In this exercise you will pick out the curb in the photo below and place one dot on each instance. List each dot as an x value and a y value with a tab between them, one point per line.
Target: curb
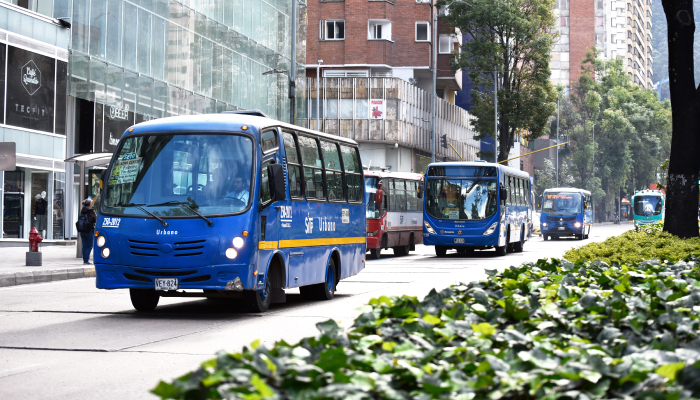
47	275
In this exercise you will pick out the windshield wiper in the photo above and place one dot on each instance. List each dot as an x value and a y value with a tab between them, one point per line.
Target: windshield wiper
184	204
473	184
162	221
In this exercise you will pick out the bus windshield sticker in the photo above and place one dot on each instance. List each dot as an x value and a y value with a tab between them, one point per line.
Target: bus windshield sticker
346	215
548	204
452	213
126	169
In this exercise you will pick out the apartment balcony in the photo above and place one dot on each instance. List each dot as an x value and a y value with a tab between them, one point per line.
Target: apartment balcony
389	111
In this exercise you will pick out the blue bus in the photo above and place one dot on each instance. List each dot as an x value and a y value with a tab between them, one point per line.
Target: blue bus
229	205
566	212
476	205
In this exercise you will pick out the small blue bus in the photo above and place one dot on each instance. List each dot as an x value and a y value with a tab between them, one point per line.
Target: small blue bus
476	205
229	205
566	212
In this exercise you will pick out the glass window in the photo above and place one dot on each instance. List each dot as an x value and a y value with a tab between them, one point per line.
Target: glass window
353	172
334	175
293	167
561	203
411	196
459	199
422	31
335	29
207	173
346	108
269	141
445	46
313	172
265	183
361	109
59	188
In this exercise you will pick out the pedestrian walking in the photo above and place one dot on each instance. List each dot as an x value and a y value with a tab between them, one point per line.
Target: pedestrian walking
86	227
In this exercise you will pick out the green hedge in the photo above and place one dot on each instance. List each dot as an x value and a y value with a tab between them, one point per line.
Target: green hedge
546	330
644	243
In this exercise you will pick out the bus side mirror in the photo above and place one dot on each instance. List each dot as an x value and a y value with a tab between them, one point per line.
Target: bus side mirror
504	194
275	172
378	197
420	190
103	178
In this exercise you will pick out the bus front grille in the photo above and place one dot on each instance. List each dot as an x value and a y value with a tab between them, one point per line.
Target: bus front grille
165	273
564	219
189	248
137	278
197	279
143	248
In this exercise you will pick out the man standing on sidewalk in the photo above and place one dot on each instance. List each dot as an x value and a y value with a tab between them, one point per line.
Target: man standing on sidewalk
86	227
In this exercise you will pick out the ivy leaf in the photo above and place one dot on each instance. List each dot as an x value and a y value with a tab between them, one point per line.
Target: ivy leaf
484	328
669	371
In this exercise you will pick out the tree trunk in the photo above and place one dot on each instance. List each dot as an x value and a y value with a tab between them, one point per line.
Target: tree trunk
684	164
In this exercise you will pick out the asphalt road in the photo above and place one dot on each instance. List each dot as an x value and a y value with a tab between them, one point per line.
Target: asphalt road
68	340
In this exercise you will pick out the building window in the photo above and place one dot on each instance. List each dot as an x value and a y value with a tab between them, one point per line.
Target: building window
599	4
340	73
629	21
445	46
379	29
335	29
564	21
422	31
563	4
629	34
440	93
599	21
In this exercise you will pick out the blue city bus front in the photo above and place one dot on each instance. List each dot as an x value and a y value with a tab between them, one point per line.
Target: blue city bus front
566	212
465	207
648	207
188	205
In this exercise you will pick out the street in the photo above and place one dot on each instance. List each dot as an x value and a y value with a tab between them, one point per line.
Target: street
69	340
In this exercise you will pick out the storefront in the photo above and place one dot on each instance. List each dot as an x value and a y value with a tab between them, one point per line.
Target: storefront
33	115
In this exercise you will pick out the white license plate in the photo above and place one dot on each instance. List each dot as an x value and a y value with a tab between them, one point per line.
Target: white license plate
561	228
459	240
166	283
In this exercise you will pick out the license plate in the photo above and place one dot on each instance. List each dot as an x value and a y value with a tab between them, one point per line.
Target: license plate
561	228
166	283
459	240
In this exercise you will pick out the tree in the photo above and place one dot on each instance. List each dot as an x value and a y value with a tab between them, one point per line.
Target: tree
684	163
514	37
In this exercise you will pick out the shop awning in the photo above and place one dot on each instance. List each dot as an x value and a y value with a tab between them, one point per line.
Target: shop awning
91	159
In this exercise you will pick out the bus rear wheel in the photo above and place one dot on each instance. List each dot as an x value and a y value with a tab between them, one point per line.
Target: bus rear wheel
324	290
144	299
440	251
258	301
518	246
402	250
375	254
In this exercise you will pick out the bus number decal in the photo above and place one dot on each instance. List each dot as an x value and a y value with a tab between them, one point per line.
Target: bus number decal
346	215
286	216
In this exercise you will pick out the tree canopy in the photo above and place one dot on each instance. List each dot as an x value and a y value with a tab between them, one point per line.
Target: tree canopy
513	37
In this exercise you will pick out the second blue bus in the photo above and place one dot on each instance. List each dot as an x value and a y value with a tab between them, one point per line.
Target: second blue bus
566	212
476	205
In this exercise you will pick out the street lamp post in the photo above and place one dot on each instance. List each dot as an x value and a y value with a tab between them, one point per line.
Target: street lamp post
495	114
557	169
435	44
318	91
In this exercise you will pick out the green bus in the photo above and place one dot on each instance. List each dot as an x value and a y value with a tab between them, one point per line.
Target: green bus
648	207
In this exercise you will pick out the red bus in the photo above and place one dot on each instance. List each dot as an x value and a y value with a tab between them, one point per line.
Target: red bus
394	212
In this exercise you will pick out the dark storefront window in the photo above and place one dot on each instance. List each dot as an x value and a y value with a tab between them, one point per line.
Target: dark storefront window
31	83
13	205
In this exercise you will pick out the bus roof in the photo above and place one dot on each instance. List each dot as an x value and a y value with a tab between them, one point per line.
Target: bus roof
648	192
223	122
504	168
398	175
568	189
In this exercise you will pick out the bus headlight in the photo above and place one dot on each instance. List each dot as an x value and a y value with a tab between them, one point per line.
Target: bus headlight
428	227
231	253
544	224
371	234
105	252
577	224
491	229
238	242
101	241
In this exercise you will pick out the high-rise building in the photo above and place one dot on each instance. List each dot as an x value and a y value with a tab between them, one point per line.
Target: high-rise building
617	29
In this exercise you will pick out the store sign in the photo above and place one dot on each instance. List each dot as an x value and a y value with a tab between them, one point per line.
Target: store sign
116	121
31	89
8	156
376	109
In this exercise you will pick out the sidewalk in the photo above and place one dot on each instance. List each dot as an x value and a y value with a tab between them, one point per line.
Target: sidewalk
59	263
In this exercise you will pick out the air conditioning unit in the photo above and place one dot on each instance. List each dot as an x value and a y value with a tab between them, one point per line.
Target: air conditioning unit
413	81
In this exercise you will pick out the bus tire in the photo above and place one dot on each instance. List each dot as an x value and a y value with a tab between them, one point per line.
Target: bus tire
324	290
501	251
258	301
144	300
375	254
401	250
440	251
411	244
545	237
509	245
518	246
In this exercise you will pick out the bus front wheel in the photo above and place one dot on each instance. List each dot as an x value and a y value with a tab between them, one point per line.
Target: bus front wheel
258	301
440	251
518	246
375	254
144	299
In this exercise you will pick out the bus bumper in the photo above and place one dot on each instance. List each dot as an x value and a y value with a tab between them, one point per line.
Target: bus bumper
373	242
469	241
110	276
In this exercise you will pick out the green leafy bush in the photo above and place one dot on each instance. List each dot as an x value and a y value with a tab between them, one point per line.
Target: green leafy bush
547	330
635	246
649	228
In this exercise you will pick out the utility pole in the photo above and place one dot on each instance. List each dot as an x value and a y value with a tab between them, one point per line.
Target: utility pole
318	95
593	173
435	45
495	113
293	67
557	169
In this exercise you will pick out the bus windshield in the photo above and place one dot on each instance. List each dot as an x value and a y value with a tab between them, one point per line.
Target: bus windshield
470	199
647	205
180	175
371	186
561	203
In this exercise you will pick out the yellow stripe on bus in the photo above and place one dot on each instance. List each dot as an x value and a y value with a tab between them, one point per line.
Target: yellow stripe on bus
311	242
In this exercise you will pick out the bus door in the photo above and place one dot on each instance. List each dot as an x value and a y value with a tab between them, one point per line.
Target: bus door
269	215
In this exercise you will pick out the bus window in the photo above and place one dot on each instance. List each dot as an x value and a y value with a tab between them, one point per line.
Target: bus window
411	196
511	191
313	169
334	175
293	167
268	141
265	183
400	195
353	173
521	192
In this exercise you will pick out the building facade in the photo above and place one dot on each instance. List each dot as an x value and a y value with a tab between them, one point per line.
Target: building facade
617	29
125	62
